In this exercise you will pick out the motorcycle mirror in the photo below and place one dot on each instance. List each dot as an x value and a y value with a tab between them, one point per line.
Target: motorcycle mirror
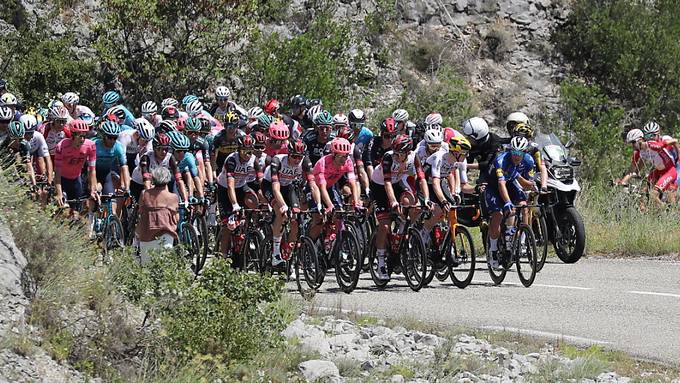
569	144
574	161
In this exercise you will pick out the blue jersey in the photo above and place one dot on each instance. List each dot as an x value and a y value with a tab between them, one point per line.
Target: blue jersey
108	158
364	137
188	164
503	169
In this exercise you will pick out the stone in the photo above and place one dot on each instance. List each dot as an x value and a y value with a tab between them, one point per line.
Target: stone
318	343
368	365
343	340
397	379
460	5
315	370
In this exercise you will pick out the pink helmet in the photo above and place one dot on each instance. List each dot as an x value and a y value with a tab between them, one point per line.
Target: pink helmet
449	133
278	130
340	146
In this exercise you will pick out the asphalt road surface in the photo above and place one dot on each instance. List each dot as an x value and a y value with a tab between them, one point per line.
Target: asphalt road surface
628	305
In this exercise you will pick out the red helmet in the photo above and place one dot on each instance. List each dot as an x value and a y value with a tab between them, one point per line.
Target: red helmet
340	146
181	123
78	126
271	106
346	132
297	147
401	143
260	139
161	139
245	141
278	130
388	126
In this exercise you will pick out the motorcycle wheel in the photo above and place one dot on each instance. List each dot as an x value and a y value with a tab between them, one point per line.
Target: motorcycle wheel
570	247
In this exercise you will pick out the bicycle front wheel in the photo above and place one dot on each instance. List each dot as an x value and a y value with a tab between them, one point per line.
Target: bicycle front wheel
189	240
462	250
525	254
306	266
348	260
113	234
414	260
203	238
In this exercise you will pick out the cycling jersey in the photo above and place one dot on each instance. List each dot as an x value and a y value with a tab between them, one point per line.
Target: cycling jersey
364	137
241	171
225	146
503	169
441	163
315	149
423	154
374	151
657	154
149	162
280	170
188	165
52	136
69	160
201	149
219	113
38	145
108	158
327	174
391	170
485	152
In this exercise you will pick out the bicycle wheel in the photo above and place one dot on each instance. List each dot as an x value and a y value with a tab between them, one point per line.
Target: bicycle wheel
203	237
462	249
113	234
348	260
266	252
540	229
131	223
373	264
414	260
251	250
524	254
189	241
306	265
497	276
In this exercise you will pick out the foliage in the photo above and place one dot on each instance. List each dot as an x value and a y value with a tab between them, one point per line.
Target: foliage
630	49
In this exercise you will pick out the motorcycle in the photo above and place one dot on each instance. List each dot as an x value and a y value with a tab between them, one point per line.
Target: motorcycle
563	222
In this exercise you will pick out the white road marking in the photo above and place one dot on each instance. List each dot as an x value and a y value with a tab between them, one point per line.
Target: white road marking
546	334
653	293
537	285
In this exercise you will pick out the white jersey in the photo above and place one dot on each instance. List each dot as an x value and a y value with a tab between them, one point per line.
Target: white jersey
39	145
127	139
153	164
284	172
441	164
421	150
53	138
241	172
397	171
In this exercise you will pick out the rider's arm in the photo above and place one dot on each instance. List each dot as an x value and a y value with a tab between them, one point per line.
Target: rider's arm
309	175
361	171
387	179
422	181
207	164
503	190
276	186
146	173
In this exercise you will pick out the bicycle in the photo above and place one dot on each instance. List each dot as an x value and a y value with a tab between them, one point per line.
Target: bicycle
188	239
247	244
304	258
106	225
538	221
198	221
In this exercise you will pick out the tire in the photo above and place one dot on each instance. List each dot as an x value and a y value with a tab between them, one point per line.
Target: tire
266	251
573	242
114	236
525	254
464	250
414	260
203	238
190	241
306	266
373	264
251	250
497	276
540	229
348	262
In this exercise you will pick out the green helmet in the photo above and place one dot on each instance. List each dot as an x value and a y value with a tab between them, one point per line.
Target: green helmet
111	97
193	124
323	118
264	121
110	128
179	141
17	129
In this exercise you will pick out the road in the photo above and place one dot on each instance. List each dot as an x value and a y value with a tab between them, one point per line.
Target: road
628	305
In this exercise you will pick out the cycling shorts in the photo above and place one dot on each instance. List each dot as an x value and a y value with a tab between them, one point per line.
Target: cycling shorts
333	192
495	203
446	190
379	195
664	180
288	192
73	189
224	204
106	180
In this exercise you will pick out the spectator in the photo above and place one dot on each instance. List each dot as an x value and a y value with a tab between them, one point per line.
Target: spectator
158	215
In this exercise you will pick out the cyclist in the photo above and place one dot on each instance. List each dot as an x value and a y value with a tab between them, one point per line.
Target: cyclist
186	163
54	130
279	188
134	143
111	99
278	138
298	104
400	117
254	114
6	117
71	102
379	145
112	168
200	148
224	104
347	133
510	172
357	121
524	130
150	113
42	162
9	100
485	146
316	140
170	113
159	156
226	141
390	191
16	149
70	155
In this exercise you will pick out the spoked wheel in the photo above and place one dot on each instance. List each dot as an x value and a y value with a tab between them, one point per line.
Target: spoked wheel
462	252
540	229
130	220
252	247
306	266
525	254
348	261
373	264
266	251
203	239
442	274
497	276
572	244
190	242
113	235
414	260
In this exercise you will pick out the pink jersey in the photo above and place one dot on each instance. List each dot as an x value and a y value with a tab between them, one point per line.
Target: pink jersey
69	160
658	154
327	174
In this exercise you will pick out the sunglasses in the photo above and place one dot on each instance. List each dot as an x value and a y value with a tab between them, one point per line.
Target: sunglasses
259	148
76	135
295	156
517	153
357	125
222	99
433	146
60	120
245	151
277	141
148	115
387	135
110	137
342	156
180	151
162	148
325	127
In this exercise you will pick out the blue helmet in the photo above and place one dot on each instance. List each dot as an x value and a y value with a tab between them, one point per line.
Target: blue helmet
188	99
111	97
179	141
110	128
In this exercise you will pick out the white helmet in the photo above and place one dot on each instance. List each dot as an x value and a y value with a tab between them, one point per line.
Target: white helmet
519	143
434	119
70	98
651	128
476	128
400	115
8	99
194	108
313	111
517	117
434	136
222	91
6	113
86	114
145	129
149	107
634	135
29	121
169	101
255	112
340	119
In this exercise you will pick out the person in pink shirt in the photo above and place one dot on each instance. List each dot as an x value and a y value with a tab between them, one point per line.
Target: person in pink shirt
69	157
327	171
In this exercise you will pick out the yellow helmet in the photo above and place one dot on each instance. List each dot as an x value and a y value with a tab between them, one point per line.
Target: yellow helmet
523	130
231	119
459	144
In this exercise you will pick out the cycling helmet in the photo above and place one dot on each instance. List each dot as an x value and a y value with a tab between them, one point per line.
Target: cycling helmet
17	129
245	141
459	144
313	111
476	128
340	119
222	92
111	97
167	126
255	112
110	128
264	121
345	132
388	126
278	130
193	124
634	135
170	113
651	128
8	99
340	146
297	147
181	123
179	141
78	126
522	129
357	116
518	143
206	126
434	120
271	106
30	122
169	102
323	118
189	99
149	107
42	113
433	136
400	115
401	143
145	129
70	98
231	120
86	114
194	108
59	113
161	139
117	111
298	101
514	119
6	114
260	140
